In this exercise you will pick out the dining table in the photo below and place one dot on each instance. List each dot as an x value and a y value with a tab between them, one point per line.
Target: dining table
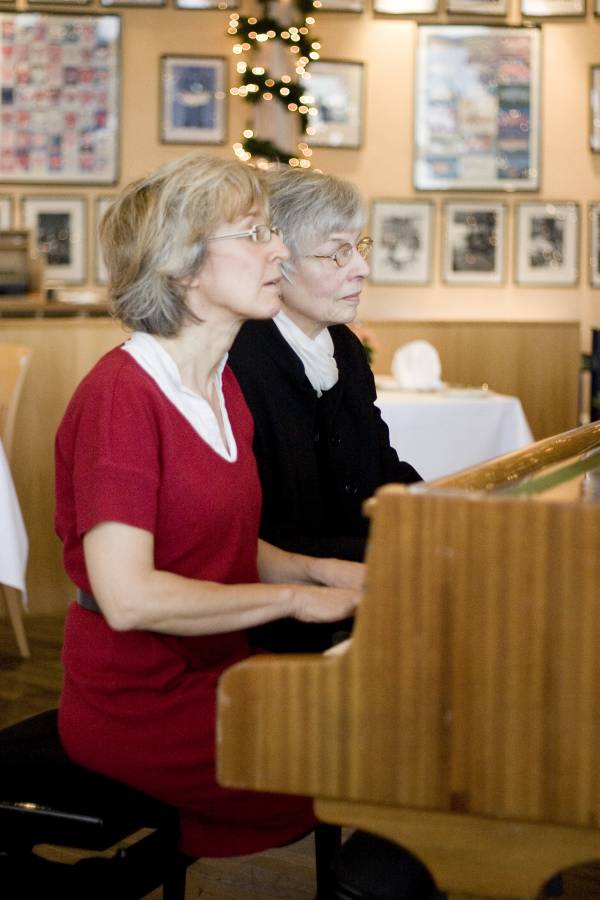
14	545
443	431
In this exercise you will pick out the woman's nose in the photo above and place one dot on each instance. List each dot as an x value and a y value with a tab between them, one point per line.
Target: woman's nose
277	248
360	266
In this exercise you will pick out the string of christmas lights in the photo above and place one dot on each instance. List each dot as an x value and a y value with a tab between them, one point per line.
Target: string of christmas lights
258	85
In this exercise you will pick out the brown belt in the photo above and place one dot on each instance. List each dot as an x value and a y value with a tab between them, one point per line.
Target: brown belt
87	601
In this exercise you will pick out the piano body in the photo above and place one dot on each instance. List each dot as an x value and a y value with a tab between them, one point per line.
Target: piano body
463	719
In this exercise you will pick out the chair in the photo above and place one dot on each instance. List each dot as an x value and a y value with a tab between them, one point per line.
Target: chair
47	799
14	362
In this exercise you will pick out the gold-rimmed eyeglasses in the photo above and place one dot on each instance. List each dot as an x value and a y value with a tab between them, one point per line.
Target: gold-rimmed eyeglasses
343	254
260	234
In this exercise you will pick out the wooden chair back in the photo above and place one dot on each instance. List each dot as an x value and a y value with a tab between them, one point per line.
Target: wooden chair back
14	362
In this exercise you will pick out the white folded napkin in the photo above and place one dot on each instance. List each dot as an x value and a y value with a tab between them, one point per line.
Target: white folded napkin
416	367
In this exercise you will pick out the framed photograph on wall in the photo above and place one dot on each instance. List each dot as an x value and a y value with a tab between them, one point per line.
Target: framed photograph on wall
335	89
547	243
402	233
207	4
193	99
59	2
477	7
477	127
60	98
132	2
405	7
102	204
595	244
473	242
595	109
59	228
355	6
545	8
6	212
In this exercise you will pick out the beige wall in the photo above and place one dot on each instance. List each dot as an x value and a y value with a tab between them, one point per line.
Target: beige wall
382	169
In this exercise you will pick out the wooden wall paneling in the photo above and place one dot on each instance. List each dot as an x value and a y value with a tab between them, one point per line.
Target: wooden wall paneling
536	361
63	351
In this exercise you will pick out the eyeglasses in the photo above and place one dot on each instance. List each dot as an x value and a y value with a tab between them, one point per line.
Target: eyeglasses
260	234
343	254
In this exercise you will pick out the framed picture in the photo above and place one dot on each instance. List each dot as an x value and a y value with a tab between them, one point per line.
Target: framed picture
335	89
207	4
477	7
58	2
6	212
60	98
102	204
132	3
473	242
595	109
547	243
544	8
405	7
595	244
355	6
59	227
477	126
193	99
402	233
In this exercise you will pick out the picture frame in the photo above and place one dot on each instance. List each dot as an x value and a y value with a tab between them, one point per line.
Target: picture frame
474	242
61	100
402	232
595	109
101	205
140	3
336	90
193	99
542	9
547	243
59	230
58	2
477	7
207	4
351	6
477	128
405	7
6	212
594	224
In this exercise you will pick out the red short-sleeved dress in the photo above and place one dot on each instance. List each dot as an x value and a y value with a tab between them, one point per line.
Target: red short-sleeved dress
140	706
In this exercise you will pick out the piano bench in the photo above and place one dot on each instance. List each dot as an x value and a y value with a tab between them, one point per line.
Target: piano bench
47	799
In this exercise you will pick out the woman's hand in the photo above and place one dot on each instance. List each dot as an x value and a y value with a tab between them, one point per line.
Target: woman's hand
337	573
324	604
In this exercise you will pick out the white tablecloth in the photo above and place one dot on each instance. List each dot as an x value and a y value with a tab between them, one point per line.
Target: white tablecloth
441	433
13	537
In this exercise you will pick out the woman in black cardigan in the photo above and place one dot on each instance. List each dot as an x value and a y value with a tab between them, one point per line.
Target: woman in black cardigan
321	445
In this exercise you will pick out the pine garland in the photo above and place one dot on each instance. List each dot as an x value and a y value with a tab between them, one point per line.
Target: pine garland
257	84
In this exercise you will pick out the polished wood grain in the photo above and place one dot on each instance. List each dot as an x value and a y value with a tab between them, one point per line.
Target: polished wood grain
465	708
536	361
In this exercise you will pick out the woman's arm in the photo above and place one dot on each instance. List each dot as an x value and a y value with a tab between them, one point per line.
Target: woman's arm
133	594
276	565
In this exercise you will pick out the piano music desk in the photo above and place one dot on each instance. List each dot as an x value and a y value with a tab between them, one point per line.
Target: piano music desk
462	720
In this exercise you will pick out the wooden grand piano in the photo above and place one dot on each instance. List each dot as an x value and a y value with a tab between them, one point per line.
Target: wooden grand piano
463	719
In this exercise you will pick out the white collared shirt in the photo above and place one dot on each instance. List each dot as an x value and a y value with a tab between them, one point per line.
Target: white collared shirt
159	364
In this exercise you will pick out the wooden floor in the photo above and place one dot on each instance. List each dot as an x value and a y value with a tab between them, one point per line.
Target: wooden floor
30	686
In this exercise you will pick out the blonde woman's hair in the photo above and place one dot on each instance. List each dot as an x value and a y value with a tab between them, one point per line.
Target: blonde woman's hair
154	236
309	207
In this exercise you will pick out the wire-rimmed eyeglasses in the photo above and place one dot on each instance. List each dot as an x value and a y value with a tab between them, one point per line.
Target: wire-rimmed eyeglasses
260	234
343	254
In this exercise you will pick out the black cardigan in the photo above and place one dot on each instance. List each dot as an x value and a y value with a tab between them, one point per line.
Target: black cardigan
318	459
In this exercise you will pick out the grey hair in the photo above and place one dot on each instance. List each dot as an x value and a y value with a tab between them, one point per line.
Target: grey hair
154	236
309	207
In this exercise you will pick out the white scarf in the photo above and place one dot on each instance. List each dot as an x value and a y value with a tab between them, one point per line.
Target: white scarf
316	354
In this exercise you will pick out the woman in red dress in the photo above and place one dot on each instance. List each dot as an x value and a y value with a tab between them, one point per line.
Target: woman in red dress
158	506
